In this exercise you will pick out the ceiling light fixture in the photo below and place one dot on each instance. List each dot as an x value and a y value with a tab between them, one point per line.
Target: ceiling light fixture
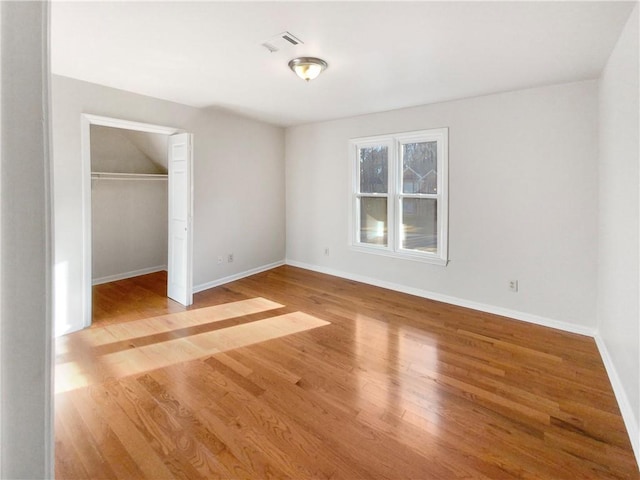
307	68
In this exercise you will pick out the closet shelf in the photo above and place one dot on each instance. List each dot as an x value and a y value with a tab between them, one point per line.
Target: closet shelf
128	176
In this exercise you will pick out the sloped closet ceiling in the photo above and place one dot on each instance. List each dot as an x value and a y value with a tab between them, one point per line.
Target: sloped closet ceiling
126	151
153	145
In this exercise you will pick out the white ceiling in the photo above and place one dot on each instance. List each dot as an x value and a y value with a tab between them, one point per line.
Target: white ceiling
381	55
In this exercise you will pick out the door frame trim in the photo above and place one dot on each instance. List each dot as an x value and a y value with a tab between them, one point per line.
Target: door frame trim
86	120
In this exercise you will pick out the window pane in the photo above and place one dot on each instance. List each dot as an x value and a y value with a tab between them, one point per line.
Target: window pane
374	163
419	224
420	167
373	221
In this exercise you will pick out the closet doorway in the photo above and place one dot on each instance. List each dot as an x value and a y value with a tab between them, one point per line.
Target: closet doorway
138	203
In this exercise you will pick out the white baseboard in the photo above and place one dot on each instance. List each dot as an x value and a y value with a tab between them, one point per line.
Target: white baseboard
236	276
122	276
630	420
505	312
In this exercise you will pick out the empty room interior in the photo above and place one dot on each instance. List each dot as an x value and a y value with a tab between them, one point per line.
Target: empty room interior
320	240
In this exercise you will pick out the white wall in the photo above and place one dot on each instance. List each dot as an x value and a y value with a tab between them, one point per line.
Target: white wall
25	365
523	202
238	189
129	228
618	236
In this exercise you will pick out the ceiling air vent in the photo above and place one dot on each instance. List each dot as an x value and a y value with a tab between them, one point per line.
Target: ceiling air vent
281	41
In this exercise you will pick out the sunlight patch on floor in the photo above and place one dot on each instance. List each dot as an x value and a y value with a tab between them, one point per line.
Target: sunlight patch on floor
89	370
93	337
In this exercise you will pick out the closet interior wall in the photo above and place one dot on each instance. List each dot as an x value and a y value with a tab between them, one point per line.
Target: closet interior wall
128	203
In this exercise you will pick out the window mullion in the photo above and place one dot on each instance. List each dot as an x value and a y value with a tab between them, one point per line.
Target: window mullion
394	228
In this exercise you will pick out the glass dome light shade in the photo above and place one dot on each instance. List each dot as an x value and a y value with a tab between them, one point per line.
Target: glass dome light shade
307	68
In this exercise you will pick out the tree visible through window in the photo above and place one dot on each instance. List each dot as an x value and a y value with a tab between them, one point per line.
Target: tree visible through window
399	195
374	186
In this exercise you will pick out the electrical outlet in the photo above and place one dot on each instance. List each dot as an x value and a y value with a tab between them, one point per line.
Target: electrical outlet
513	285
326	251
219	259
230	258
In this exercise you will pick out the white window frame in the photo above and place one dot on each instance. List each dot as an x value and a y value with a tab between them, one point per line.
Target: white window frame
394	195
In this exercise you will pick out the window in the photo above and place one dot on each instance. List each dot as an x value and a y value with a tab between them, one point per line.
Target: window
399	195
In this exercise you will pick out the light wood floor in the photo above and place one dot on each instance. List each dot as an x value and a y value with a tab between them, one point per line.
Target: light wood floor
294	374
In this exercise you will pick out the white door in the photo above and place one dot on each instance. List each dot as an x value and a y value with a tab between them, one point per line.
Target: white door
179	284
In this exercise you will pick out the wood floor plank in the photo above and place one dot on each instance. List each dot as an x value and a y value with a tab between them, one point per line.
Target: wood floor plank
136	444
109	444
284	434
190	382
68	462
179	448
81	441
294	374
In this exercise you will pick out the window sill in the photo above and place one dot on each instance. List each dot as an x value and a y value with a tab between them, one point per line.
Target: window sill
414	257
